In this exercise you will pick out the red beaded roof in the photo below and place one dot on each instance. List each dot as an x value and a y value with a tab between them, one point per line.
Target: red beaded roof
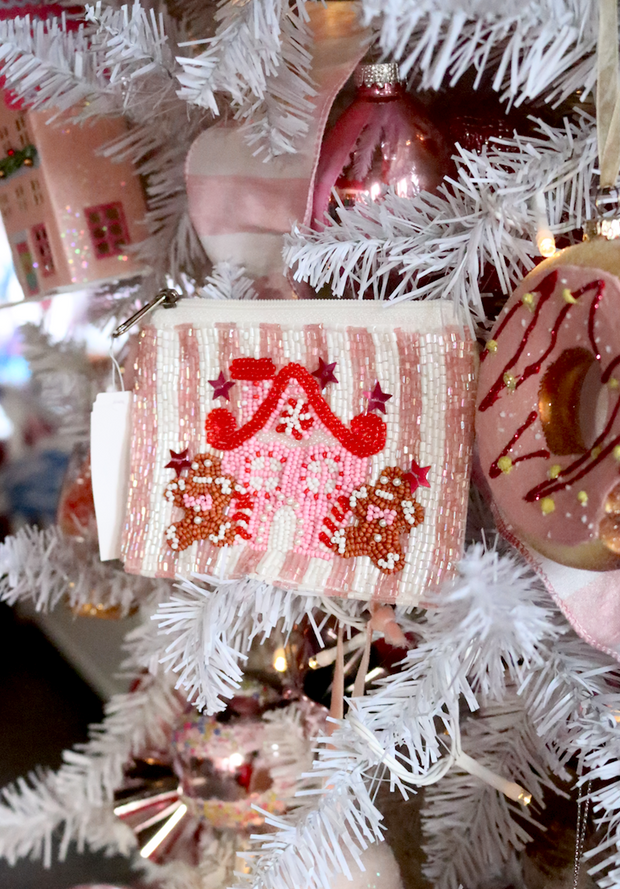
364	438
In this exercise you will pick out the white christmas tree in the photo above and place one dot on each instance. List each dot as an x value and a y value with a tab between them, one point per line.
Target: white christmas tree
499	692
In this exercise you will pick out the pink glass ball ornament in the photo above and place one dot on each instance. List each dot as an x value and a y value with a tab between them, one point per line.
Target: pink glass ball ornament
383	139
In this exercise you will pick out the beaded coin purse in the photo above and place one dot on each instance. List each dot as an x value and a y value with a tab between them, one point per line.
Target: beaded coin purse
320	446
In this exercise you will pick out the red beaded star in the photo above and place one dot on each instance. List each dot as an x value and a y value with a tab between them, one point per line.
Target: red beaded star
179	461
325	373
377	399
417	476
221	386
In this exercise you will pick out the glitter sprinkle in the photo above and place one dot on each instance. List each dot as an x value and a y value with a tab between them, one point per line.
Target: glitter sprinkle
492	346
555	470
547	505
568	297
510	381
582	497
505	464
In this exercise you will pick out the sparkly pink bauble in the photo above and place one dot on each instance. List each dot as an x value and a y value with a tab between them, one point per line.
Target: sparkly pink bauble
384	139
76	507
474	131
229	763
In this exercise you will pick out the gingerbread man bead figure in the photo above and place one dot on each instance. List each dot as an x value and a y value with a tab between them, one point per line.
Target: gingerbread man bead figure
205	495
381	514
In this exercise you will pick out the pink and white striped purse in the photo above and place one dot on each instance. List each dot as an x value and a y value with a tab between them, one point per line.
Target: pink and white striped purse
321	446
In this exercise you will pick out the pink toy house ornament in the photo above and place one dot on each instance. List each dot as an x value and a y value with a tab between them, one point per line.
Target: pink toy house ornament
69	213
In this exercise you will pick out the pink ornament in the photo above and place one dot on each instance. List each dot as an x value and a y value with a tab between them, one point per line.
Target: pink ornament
69	213
76	508
384	139
228	766
11	9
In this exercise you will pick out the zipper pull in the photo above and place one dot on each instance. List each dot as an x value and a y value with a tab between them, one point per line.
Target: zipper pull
166	298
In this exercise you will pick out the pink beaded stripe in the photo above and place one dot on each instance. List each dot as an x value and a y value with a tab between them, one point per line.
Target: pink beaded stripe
460	407
144	438
296	563
360	378
209	556
411	406
190	421
271	343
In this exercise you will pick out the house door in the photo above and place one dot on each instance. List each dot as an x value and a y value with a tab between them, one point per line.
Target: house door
282	531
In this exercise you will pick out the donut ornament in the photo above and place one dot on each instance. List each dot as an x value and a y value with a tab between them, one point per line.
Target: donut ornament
548	408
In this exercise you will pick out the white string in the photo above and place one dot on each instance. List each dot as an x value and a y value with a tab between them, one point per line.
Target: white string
116	369
454	756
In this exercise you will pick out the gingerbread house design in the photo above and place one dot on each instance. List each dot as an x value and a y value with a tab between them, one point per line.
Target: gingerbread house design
69	212
280	467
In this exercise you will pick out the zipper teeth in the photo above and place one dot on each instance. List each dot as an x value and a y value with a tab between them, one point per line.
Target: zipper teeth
185	300
286	303
291	311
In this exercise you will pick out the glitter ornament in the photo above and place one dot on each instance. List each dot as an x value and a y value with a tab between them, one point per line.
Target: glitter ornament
212	769
76	508
230	763
475	131
383	140
37	9
69	212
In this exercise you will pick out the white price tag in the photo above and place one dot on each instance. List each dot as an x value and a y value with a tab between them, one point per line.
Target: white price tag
110	431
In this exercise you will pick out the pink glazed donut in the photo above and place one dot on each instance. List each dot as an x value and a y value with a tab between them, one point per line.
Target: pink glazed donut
548	414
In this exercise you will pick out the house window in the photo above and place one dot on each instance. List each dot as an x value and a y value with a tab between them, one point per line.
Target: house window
37	193
23	136
5	139
27	266
108	229
43	251
5	206
22	198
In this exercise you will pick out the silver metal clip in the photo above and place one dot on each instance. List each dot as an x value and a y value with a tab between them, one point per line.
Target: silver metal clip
166	298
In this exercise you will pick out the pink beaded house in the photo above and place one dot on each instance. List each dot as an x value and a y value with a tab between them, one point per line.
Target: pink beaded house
69	213
291	456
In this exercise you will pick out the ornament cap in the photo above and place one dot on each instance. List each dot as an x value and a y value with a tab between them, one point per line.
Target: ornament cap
377	74
606	223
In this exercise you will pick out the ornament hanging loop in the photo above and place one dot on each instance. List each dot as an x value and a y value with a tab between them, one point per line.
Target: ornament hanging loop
608	94
606	223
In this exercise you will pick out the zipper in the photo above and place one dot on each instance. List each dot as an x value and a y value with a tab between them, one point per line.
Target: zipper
166	298
438	312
